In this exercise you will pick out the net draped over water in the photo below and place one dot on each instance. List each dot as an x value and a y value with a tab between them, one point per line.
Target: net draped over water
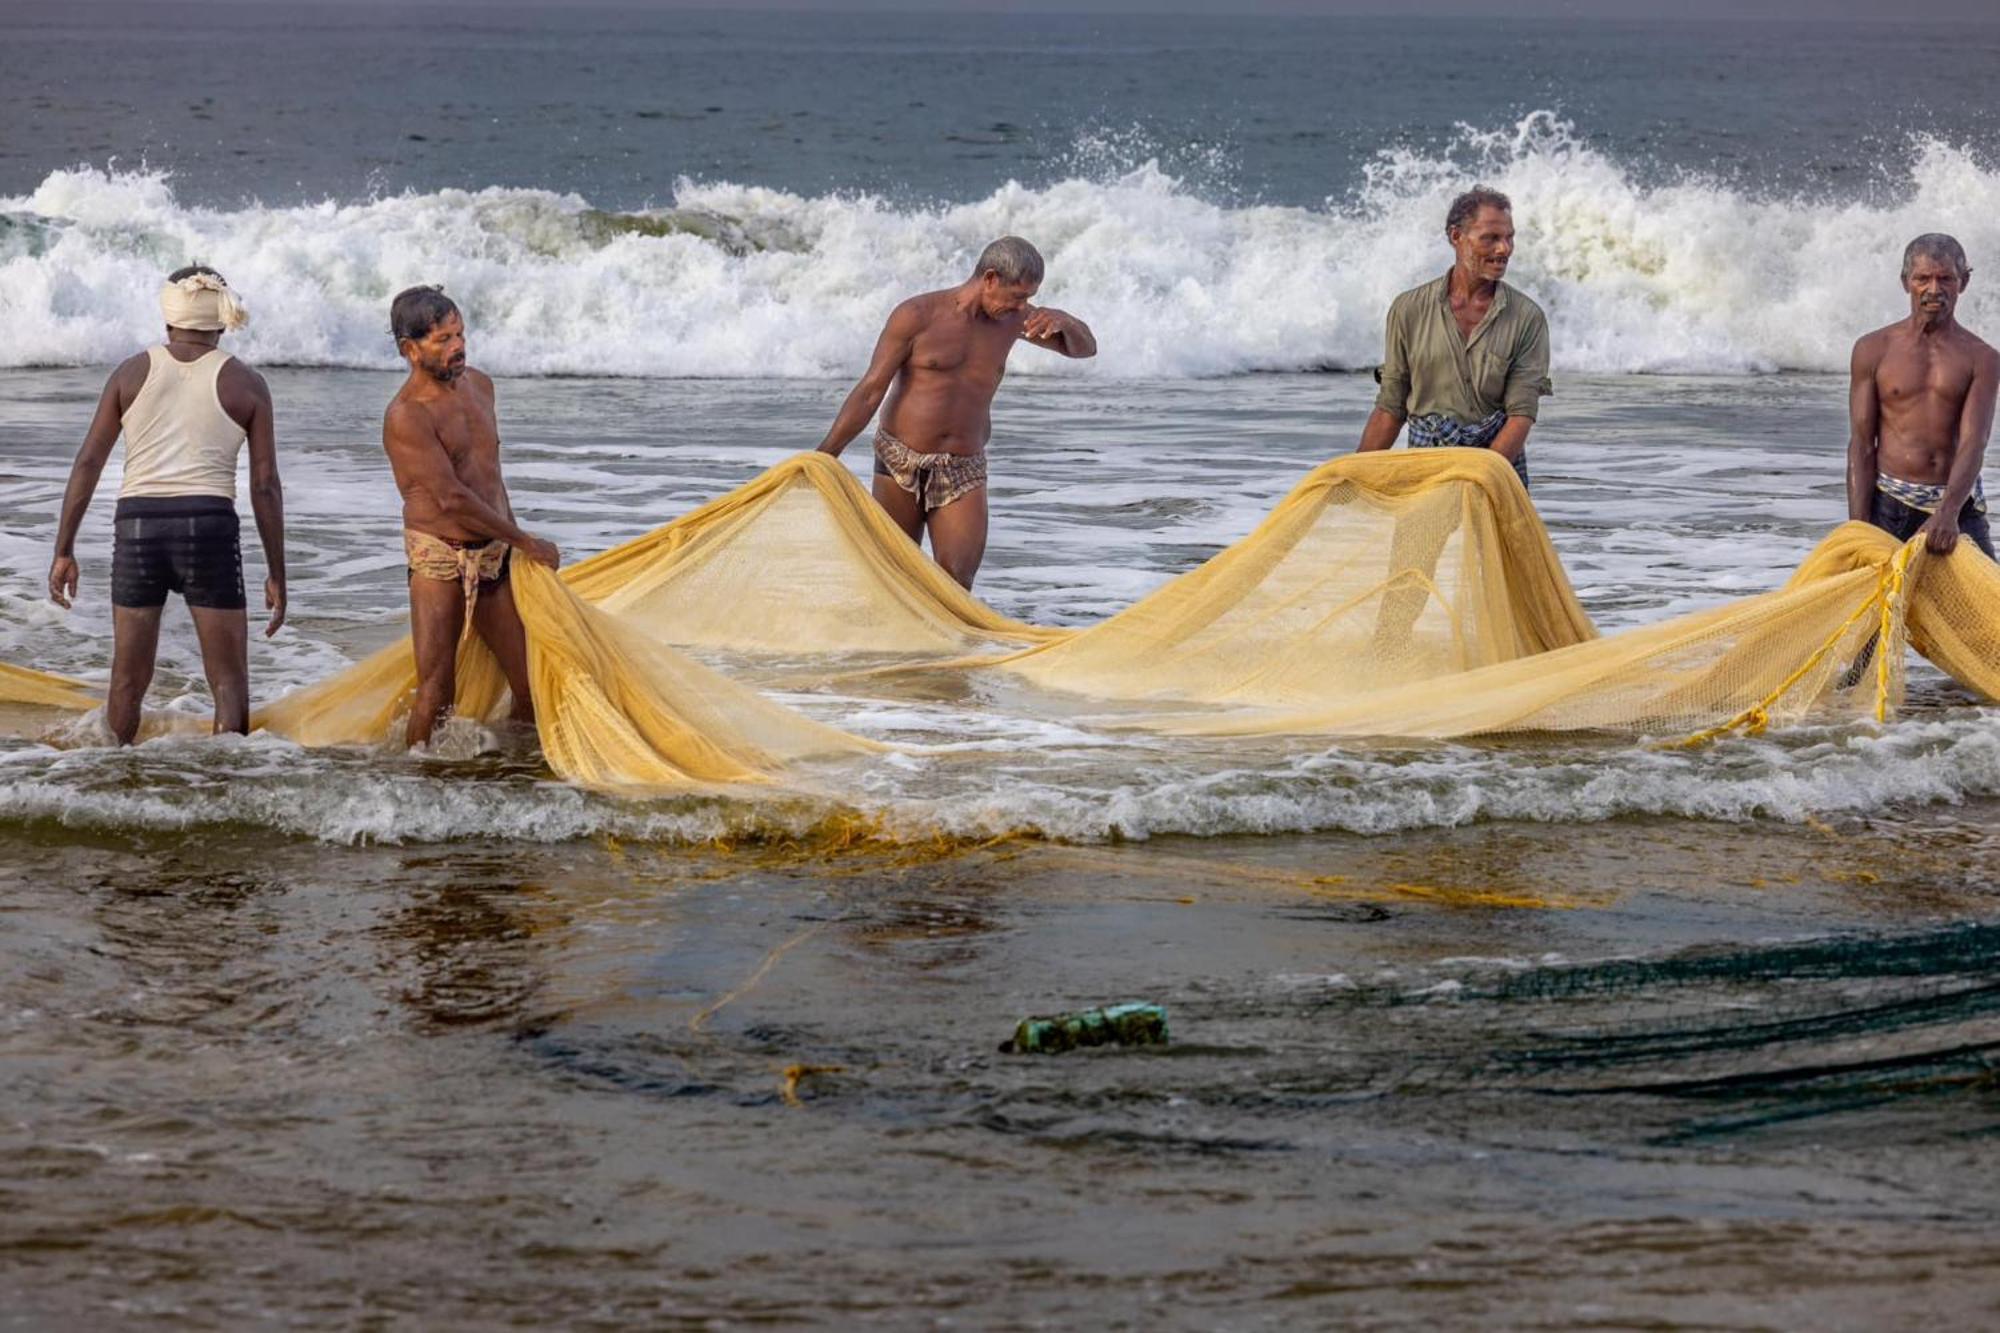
1408	594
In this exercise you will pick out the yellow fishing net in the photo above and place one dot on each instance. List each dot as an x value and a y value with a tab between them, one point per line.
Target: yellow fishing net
798	560
1404	594
614	707
1775	657
1376	570
37	689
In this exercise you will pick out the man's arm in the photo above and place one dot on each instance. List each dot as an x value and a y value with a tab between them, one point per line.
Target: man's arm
1513	438
1392	400
892	349
1975	424
1527	382
267	496
98	442
1864	420
1059	332
421	464
1380	432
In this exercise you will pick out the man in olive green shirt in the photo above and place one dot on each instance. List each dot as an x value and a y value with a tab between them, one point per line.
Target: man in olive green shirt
1466	358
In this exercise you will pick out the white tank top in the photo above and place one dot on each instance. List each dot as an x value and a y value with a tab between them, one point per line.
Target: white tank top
178	440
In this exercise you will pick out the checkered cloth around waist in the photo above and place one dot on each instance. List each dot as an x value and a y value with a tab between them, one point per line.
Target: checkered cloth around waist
1436	429
1924	496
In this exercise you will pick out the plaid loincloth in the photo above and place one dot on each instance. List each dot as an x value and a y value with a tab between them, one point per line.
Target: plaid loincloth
1437	429
936	479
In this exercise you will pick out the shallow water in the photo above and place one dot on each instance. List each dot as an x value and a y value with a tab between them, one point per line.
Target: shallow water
1572	1033
1642	1073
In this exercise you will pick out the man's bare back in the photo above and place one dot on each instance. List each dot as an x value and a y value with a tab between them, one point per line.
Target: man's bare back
1921	400
938	364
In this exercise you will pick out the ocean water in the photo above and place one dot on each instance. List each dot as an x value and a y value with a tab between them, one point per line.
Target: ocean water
1575	1033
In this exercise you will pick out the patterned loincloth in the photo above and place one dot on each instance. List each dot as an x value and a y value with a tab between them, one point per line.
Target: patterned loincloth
1438	431
472	567
936	479
1924	496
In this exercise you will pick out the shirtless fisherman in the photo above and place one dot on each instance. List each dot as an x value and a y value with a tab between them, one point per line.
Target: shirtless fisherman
1921	406
442	435
185	408
945	353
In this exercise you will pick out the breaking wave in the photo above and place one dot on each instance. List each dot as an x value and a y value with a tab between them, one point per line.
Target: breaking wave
742	281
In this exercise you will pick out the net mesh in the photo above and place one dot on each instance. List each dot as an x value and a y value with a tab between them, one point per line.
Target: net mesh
1404	594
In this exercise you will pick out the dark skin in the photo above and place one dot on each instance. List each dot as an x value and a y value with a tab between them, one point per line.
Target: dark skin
1920	402
135	631
1480	250
442	435
939	362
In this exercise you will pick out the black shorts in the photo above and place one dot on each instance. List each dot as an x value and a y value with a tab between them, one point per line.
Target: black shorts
1901	521
183	543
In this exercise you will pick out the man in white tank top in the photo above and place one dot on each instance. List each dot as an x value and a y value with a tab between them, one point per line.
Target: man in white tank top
185	409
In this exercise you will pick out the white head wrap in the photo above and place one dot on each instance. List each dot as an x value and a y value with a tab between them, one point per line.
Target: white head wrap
202	301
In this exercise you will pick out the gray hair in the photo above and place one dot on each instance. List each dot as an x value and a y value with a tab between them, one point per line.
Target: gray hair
1466	207
1936	245
1012	260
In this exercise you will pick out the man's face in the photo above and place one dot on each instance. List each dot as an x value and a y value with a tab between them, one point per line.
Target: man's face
1934	286
441	352
1485	244
1000	299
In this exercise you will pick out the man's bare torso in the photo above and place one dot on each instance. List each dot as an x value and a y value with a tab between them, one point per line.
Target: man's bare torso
1921	386
943	396
466	426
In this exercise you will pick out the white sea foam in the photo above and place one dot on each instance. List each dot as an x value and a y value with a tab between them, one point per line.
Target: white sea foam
740	280
179	785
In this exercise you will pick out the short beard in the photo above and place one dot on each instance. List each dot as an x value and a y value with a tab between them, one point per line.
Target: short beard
446	373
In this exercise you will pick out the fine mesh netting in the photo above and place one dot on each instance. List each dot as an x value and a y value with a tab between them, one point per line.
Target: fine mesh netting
22	687
1402	594
1376	570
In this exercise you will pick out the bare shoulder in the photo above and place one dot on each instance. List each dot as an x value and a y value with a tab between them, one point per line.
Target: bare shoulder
1869	347
130	374
914	313
238	374
405	419
1985	359
480	381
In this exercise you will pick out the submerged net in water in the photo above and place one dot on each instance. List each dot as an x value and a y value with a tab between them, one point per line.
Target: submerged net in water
1402	594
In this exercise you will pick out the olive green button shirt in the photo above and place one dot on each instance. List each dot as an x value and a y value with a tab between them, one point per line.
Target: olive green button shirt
1427	367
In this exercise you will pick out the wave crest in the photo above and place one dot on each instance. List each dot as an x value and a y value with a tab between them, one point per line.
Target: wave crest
739	280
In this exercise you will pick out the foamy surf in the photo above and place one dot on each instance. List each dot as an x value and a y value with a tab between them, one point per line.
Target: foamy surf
1006	780
738	280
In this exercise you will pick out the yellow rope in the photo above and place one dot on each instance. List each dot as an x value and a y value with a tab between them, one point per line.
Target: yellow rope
1886	603
700	1020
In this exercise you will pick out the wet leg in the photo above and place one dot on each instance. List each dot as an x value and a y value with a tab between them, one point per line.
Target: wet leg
437	618
498	621
135	642
901	506
225	660
958	536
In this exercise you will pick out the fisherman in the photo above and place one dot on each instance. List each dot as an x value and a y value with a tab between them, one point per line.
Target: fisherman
442	435
185	408
945	353
1920	404
1466	357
